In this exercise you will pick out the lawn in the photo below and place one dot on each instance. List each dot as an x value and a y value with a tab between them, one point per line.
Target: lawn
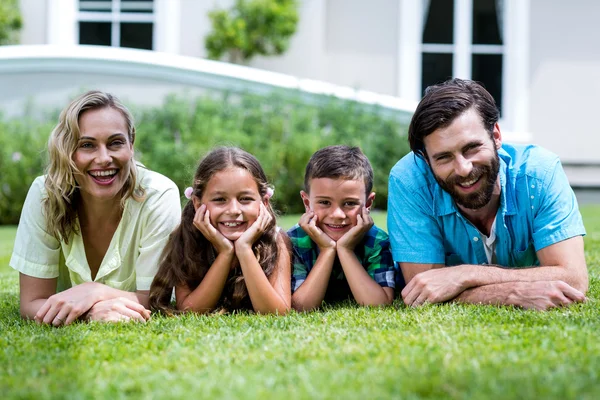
343	352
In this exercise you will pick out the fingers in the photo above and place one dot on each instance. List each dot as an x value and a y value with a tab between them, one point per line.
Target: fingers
137	307
572	293
39	316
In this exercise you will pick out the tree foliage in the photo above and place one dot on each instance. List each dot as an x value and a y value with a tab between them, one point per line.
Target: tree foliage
251	28
10	21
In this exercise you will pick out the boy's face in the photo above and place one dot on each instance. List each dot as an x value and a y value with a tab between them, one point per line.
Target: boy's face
336	203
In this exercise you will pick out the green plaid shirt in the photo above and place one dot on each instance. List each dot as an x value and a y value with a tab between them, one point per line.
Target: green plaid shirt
373	252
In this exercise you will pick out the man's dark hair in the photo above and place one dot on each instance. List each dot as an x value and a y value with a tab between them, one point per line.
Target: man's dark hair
443	103
339	162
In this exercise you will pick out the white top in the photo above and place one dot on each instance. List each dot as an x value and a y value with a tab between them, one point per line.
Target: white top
489	244
131	260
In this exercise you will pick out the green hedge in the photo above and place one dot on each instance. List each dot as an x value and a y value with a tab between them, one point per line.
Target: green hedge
281	132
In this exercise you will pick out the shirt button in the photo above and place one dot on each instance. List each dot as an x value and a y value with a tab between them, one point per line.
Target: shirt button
475	239
532	207
532	197
533	186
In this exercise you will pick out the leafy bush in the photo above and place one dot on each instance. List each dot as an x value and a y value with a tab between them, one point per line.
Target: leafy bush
250	28
282	132
10	21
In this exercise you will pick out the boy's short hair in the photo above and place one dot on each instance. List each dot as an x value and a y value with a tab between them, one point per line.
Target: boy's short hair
339	162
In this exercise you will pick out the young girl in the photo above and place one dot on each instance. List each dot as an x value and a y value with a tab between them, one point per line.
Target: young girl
227	252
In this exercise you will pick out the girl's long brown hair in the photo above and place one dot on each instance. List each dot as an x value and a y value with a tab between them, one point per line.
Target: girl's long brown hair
188	254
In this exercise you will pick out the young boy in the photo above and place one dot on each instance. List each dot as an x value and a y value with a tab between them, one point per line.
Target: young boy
338	251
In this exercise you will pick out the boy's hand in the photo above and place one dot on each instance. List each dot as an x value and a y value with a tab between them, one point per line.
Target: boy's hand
202	223
364	222
308	222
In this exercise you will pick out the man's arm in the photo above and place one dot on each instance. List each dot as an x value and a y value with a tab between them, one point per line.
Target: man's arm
563	261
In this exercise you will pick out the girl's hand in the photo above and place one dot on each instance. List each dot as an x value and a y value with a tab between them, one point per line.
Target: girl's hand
364	222
118	309
256	230
308	222
202	223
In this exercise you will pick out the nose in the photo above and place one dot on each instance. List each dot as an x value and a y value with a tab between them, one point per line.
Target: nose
103	156
462	166
338	213
234	208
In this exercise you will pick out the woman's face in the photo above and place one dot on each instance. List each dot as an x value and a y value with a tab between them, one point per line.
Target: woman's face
103	155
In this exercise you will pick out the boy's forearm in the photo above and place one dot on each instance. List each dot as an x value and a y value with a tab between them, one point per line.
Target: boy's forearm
311	293
365	290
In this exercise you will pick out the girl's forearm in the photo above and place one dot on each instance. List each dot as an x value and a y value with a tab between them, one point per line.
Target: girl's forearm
205	297
265	299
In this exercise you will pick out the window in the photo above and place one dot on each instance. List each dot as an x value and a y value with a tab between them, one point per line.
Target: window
463	39
117	23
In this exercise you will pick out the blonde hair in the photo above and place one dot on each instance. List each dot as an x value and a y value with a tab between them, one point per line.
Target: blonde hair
60	205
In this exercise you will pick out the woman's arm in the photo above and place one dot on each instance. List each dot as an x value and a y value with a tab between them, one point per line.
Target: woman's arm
40	302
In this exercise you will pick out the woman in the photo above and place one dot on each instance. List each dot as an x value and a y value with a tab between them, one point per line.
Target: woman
93	228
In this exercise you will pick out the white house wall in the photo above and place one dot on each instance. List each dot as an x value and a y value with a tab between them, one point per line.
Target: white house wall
565	78
34	14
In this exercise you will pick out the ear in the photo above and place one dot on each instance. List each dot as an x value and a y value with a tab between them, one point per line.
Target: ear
370	200
497	136
196	202
305	200
265	200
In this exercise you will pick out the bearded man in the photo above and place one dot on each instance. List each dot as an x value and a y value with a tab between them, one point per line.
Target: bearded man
502	218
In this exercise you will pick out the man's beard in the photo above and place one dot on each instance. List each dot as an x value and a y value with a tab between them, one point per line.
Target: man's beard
488	173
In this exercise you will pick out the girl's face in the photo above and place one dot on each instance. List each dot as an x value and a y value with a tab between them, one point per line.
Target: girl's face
231	197
103	154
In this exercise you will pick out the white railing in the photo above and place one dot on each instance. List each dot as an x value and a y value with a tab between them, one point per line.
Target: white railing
188	71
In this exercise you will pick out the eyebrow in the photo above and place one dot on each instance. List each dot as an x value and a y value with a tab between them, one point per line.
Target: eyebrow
109	138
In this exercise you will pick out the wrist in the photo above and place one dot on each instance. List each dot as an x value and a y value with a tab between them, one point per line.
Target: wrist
467	276
242	247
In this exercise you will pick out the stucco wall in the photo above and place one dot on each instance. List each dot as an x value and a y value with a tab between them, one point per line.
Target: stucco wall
565	78
34	21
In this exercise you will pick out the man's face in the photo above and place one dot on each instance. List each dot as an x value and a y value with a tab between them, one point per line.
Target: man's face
336	203
464	159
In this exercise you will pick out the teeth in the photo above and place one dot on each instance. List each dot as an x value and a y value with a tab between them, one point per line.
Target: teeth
108	172
469	183
336	226
232	224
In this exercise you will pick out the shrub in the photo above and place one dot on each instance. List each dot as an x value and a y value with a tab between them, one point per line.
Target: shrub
250	28
282	132
10	21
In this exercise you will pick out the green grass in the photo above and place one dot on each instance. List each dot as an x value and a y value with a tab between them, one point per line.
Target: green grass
438	351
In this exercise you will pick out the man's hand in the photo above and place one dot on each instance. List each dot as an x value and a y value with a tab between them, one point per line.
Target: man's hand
543	295
118	309
202	223
350	239
435	286
308	222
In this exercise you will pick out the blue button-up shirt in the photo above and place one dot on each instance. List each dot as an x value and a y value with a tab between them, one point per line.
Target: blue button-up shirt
537	209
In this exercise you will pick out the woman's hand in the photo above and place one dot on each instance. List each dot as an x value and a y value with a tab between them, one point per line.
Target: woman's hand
254	231
202	223
118	309
65	307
